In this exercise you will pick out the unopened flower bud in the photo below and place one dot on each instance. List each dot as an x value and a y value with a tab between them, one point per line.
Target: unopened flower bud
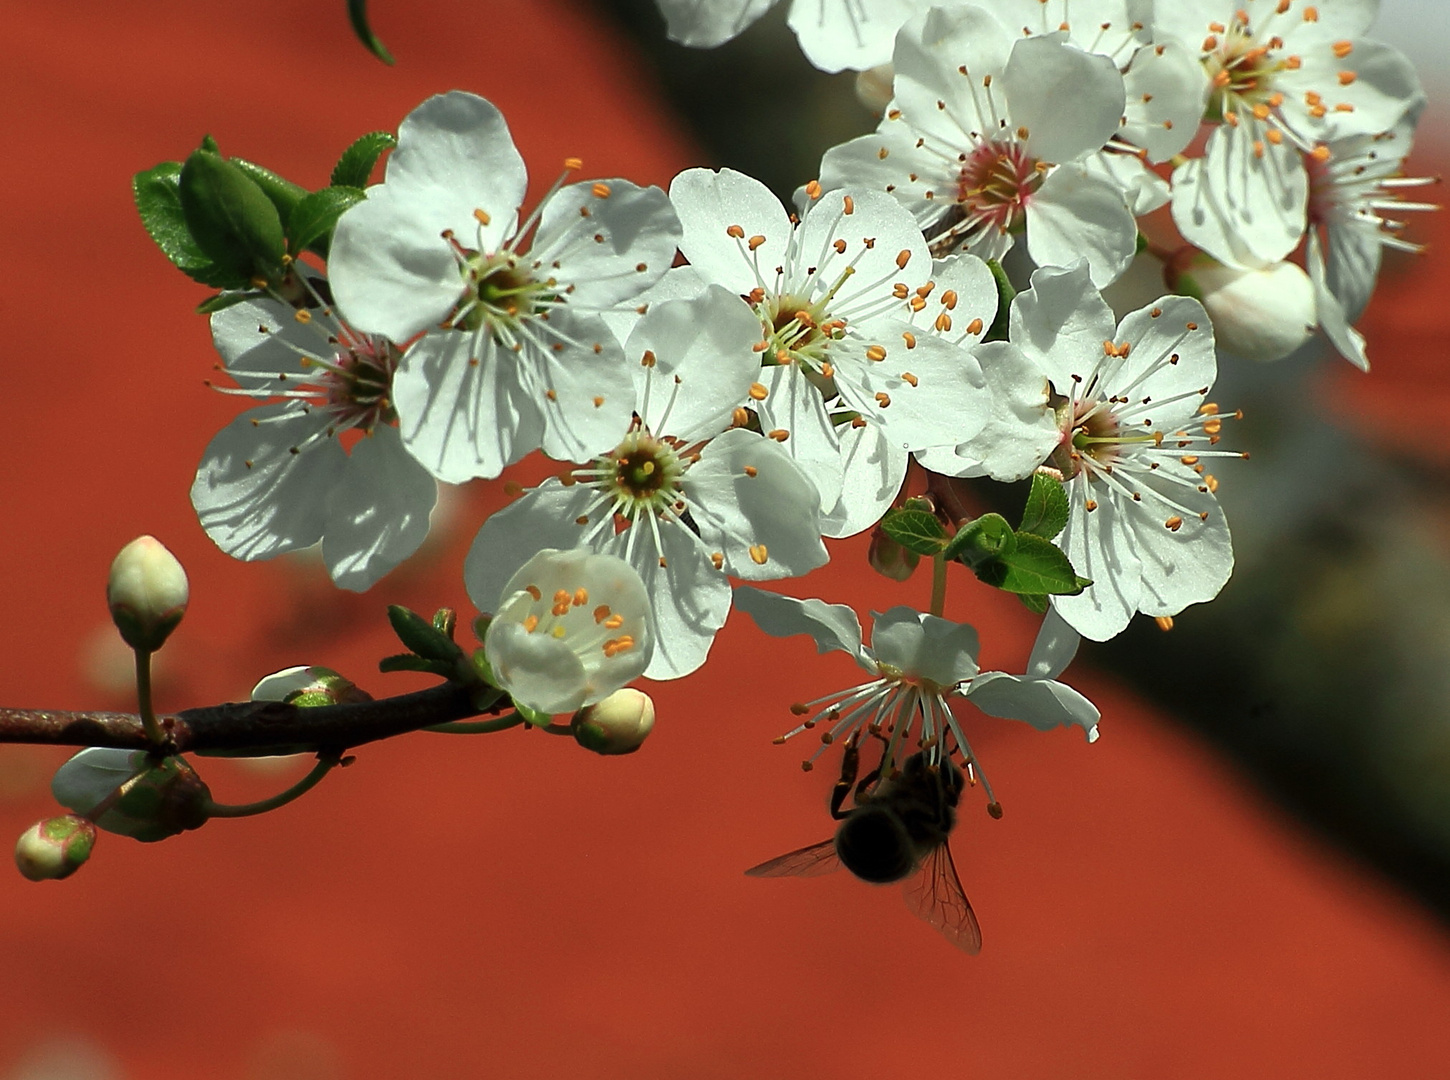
131	793
1257	314
616	725
873	87
889	558
306	686
55	848
147	593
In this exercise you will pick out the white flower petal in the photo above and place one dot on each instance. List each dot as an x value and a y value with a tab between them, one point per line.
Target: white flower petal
1043	703
931	49
1166	391
873	467
1179	567
545	517
254	497
1061	322
705	24
1332	317
710	203
755	507
1167	91
1076	216
793	405
377	512
585	390
689	601
925	646
1098	546
855	34
608	240
1069	101
833	627
1054	649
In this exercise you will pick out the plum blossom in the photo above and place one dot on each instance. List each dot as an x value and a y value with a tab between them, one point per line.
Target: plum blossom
978	139
918	664
684	496
1136	437
279	478
569	629
514	354
850	323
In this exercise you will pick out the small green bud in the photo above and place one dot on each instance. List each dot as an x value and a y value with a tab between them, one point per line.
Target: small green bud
147	593
616	725
55	848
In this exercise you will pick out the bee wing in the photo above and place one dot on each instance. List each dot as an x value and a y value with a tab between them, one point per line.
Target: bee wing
803	862
936	895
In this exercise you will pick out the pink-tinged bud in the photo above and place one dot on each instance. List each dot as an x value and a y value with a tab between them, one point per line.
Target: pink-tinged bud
55	848
616	725
147	593
1257	314
889	558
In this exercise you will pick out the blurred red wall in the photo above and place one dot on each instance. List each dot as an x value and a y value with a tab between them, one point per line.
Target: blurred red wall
512	906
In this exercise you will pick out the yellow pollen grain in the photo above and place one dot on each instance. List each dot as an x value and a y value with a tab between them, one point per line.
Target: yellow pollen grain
1165	622
908	377
758	391
740	417
883	399
813	189
558	632
759	555
949	300
573	163
1347	77
1091	505
916	303
481	216
580	597
779	435
1311	14
1189	459
875	352
531	624
1208	408
827	370
910	339
1261	111
601	190
840	246
1275	136
303	316
717	559
533	590
735	231
755	241
902	258
551	395
943	322
1174	523
602	613
1342	48
848	204
975	326
751	471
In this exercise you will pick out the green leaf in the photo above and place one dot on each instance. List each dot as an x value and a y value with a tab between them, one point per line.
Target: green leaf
986	538
158	201
1046	512
915	530
409	662
444	621
1005	294
357	14
226	300
314	217
230	218
420	636
283	193
355	167
1034	566
1034	602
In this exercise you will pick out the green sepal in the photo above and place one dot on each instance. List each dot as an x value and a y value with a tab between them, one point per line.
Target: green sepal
1005	295
421	637
478	661
357	14
283	193
227	299
158	200
355	167
445	621
1046	512
1033	566
915	530
312	221
1140	245
988	537
230	218
410	662
533	716
1037	603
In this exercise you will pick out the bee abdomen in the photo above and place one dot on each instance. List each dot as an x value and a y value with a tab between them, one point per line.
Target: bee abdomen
874	845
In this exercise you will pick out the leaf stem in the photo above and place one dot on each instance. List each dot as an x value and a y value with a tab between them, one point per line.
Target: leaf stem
325	764
938	584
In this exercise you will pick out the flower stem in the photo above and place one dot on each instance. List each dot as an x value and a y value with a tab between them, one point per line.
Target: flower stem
143	698
478	727
325	765
938	585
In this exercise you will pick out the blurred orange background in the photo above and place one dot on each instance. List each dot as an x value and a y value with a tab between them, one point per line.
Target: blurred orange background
512	906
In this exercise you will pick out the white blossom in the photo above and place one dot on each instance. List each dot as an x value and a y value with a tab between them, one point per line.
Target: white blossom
684	497
278	478
514	353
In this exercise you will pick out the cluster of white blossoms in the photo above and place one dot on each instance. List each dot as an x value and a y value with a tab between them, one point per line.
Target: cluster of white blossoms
726	381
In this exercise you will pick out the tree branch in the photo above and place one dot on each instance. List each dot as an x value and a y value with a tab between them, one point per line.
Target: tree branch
258	728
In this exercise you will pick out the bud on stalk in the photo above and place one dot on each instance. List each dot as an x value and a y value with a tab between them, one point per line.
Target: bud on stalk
55	848
147	593
616	725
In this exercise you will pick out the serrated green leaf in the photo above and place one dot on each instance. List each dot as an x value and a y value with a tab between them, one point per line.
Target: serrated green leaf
158	201
986	538
355	167
1035	566
314	217
1034	602
357	14
1005	294
915	530
283	193
419	635
1046	512
229	217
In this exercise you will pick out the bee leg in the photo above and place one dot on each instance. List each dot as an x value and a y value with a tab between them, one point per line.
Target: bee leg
850	766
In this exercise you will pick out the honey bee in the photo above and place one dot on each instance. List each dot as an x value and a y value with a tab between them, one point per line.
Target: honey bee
896	830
